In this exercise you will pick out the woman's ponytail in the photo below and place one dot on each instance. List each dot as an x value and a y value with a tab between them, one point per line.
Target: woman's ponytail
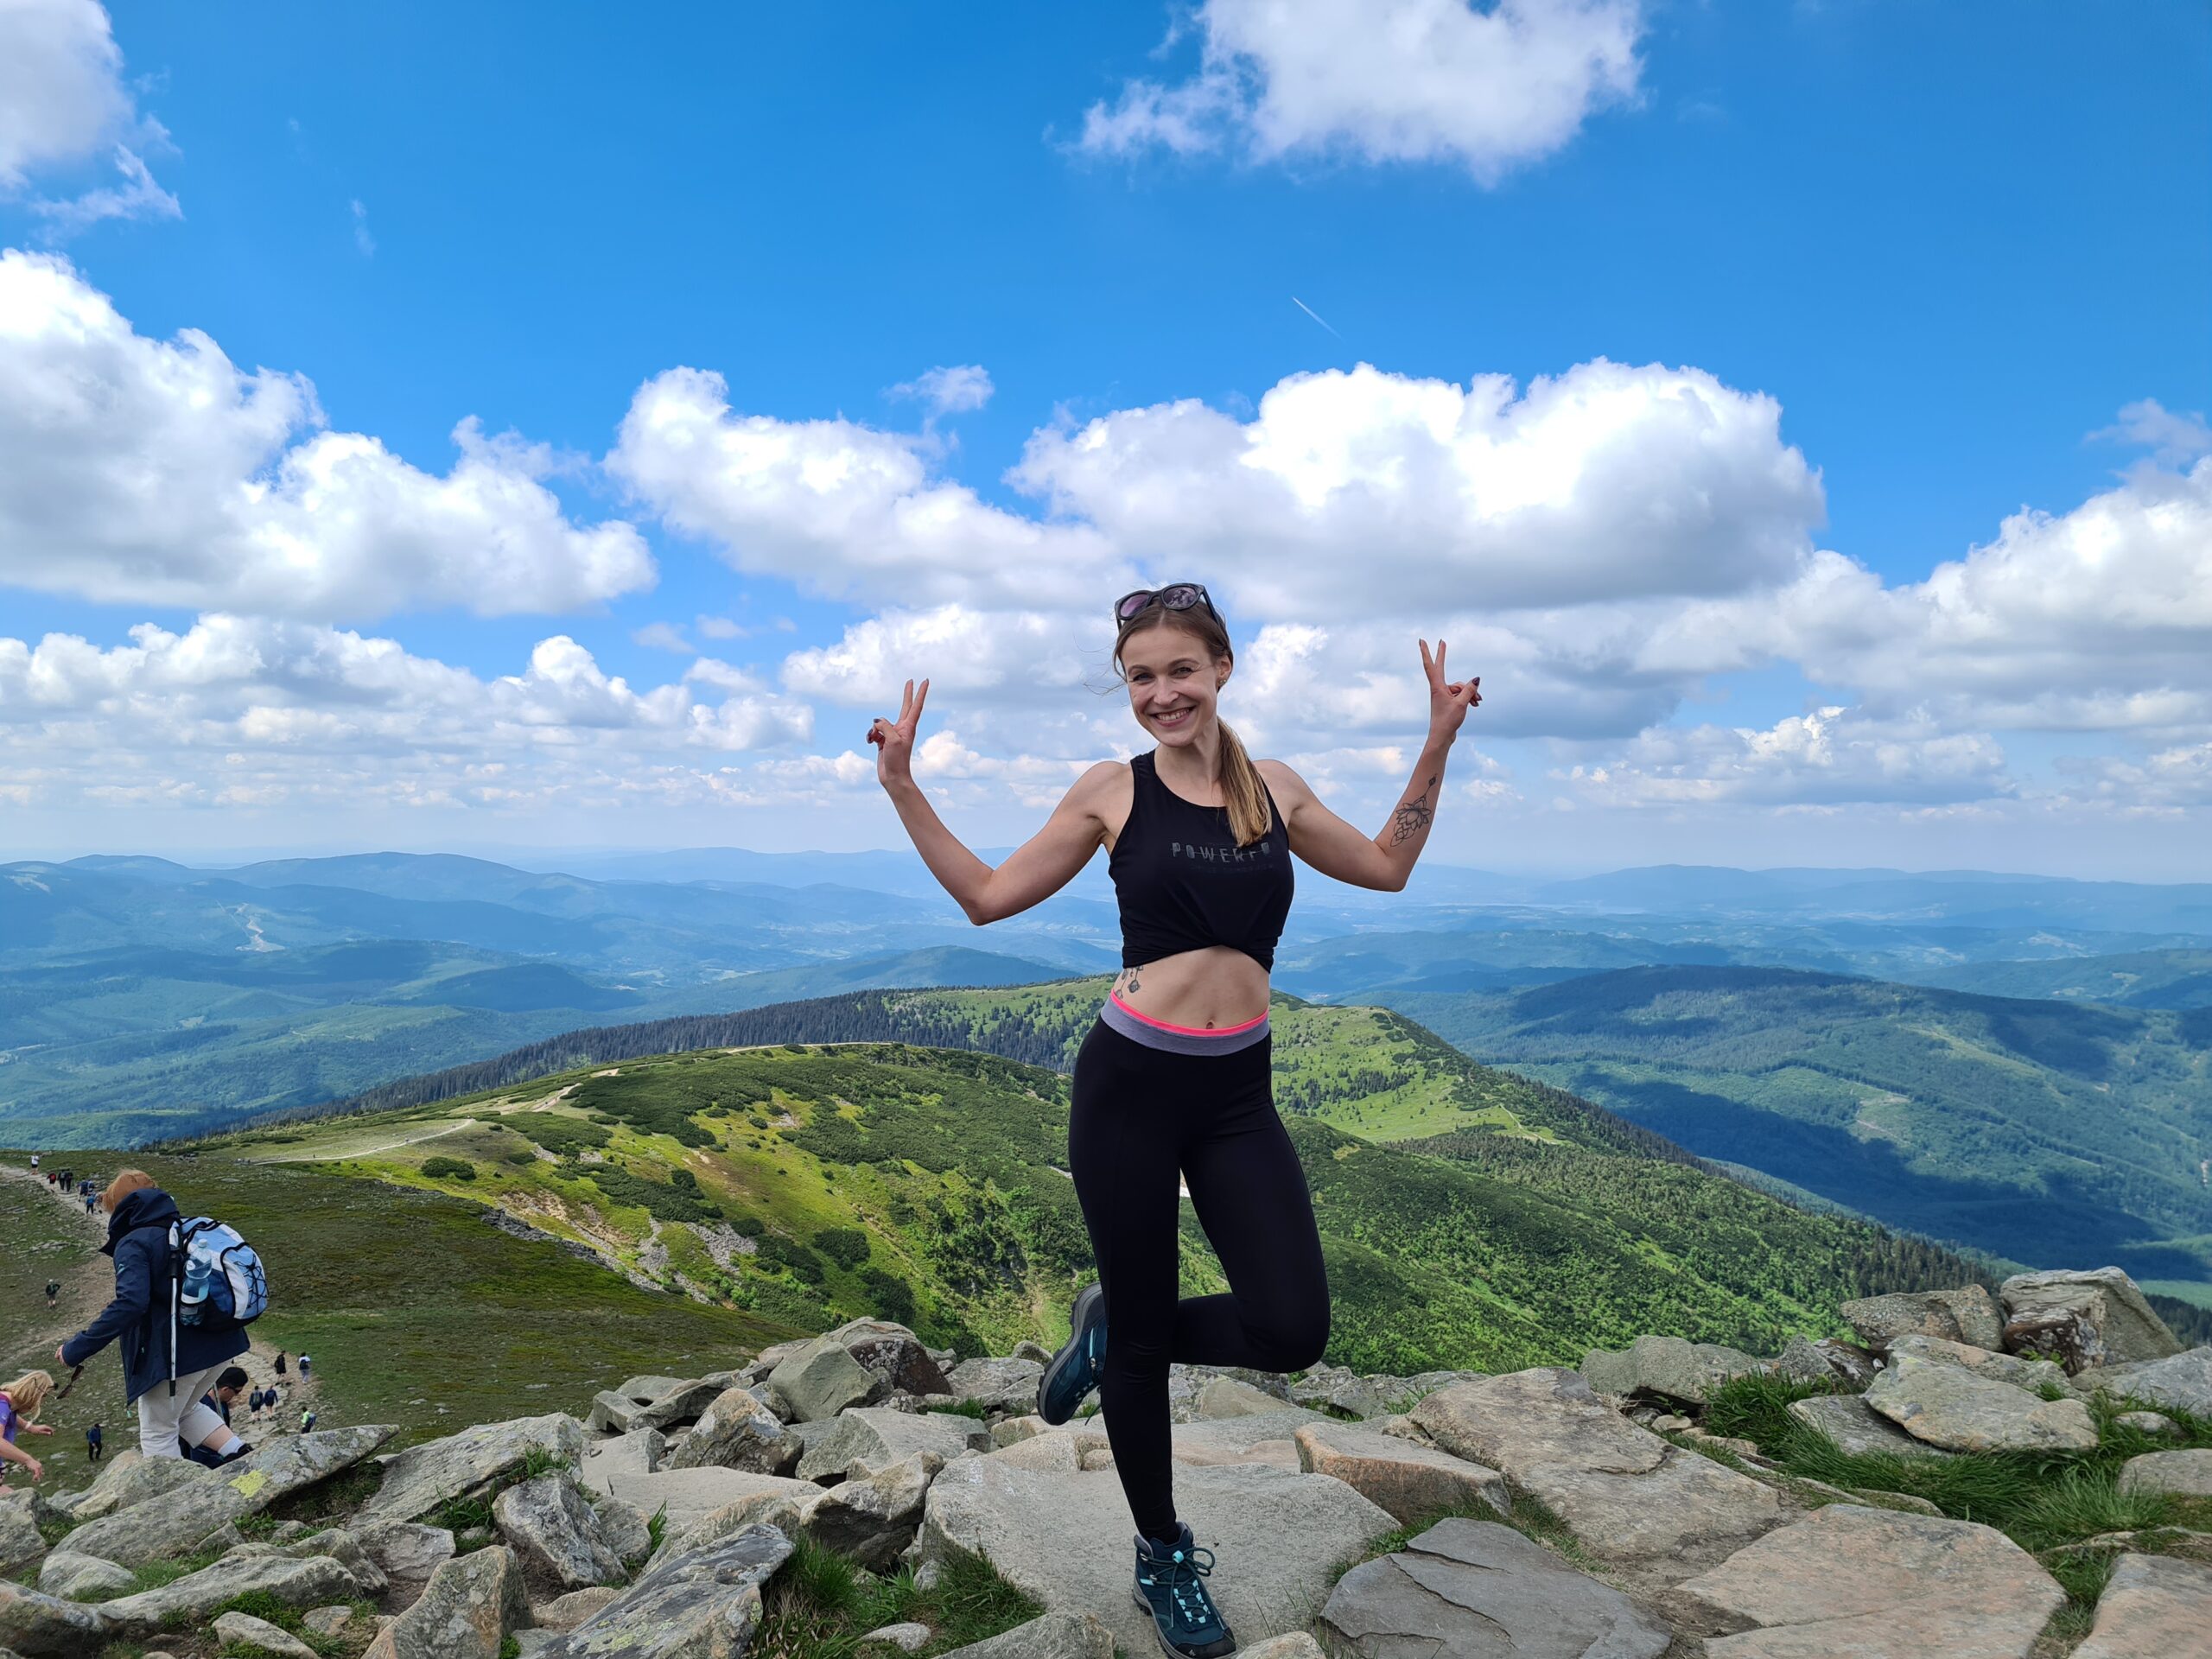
1242	790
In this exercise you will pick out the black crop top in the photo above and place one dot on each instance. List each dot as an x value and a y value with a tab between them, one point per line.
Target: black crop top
1184	883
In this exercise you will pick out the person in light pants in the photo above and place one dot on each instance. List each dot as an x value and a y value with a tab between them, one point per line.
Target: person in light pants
140	1321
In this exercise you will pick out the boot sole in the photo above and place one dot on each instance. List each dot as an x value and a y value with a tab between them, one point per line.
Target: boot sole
1079	1319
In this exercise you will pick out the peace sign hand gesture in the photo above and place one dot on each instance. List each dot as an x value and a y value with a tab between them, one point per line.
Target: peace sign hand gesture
895	738
1448	701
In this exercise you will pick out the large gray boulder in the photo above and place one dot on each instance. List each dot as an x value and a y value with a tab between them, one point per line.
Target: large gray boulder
737	1431
2183	1474
2182	1382
1668	1366
997	1385
130	1478
704	1604
869	1437
404	1550
819	1380
1406	1478
464	1611
40	1626
2153	1607
421	1479
1946	1405
1068	1541
67	1573
873	1518
894	1353
1969	1314
245	1631
21	1541
313	1582
1479	1590
1857	1428
2033	1375
173	1522
555	1533
1625	1493
2095	1318
1054	1636
691	1495
772	1501
1876	1583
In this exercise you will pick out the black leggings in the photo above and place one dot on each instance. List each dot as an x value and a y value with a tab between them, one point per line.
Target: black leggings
1140	1114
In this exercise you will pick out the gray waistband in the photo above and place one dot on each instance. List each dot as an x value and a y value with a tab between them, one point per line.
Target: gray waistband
1120	1020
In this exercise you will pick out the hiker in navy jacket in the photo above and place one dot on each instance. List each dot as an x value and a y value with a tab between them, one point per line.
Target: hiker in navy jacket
138	1321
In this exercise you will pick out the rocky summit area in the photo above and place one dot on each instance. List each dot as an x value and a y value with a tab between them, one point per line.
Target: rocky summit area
1600	1512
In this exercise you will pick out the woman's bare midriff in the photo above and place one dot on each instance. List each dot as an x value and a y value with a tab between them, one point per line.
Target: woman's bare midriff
1216	985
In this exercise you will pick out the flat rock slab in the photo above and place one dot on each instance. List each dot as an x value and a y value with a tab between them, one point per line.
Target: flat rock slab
1406	1478
1666	1365
1479	1590
2122	1324
424	1477
174	1521
1068	1541
704	1604
875	1437
2185	1474
636	1453
2182	1382
245	1631
1625	1493
41	1626
1056	1635
1856	1427
2033	1375
2153	1607
1959	1411
691	1495
1849	1582
313	1582
1968	1315
464	1611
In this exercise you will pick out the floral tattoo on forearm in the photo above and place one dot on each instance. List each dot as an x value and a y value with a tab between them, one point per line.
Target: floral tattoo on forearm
1413	818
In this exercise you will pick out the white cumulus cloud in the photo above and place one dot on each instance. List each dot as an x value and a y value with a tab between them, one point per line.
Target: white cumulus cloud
1487	87
62	103
148	472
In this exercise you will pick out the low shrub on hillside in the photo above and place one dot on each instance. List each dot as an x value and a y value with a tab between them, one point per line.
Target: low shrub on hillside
662	1202
442	1169
562	1136
847	1246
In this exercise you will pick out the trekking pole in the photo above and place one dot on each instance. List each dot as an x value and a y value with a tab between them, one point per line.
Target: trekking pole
62	1393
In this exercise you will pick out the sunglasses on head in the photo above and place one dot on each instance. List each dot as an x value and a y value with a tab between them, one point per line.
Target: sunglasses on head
1177	596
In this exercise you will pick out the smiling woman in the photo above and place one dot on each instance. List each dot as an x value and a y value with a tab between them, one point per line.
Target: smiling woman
1173	1086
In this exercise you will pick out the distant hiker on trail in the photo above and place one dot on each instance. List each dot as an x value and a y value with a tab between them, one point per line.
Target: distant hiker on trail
52	1291
280	1362
304	1363
1176	1073
141	1323
93	1437
20	1404
307	1419
34	1161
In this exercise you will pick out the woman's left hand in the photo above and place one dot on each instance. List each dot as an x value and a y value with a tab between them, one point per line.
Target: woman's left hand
38	1428
1448	699
57	1354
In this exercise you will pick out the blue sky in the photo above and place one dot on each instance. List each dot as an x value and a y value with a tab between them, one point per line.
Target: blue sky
1912	258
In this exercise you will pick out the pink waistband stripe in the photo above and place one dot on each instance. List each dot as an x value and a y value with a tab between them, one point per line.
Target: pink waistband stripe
1188	1030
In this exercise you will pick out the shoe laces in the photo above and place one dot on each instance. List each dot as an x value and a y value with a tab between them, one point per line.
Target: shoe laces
1181	1572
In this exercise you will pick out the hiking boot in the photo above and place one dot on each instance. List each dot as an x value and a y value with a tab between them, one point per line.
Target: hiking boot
1075	1369
1170	1585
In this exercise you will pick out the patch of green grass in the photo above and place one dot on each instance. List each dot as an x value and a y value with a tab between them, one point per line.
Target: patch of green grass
820	1604
975	1409
2041	1500
657	1526
342	1494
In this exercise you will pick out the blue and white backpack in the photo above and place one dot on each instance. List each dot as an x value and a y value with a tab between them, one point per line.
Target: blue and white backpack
220	1281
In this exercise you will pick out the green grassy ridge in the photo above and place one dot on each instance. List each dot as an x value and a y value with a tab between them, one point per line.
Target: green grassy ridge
1377	1072
1494	1247
2041	1132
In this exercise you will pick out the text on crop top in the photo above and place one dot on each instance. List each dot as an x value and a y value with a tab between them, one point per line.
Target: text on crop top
1183	882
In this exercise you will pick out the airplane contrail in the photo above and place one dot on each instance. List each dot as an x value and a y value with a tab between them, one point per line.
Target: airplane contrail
1311	313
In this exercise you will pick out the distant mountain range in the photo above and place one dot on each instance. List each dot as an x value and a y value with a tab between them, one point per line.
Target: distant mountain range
2041	1131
